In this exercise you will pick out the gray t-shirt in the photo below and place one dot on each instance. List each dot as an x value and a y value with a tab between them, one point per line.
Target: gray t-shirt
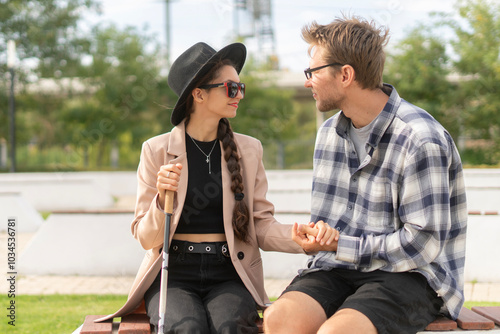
360	137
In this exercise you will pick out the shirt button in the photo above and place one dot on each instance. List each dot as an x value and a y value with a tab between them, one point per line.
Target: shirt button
349	207
241	255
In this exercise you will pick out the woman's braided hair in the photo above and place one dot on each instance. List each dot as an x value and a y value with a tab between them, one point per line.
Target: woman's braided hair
226	136
240	211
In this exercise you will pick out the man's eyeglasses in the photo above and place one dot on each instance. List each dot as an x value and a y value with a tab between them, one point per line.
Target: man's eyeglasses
308	71
232	88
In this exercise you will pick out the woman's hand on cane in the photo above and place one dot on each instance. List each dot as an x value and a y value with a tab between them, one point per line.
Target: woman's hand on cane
167	179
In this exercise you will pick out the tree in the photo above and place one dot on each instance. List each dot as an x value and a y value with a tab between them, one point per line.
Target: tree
477	46
419	69
265	110
46	33
48	44
123	99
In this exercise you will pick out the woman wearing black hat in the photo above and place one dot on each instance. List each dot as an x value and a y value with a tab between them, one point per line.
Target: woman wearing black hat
221	216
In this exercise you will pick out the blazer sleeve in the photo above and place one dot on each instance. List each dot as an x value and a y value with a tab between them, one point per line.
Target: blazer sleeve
148	225
271	234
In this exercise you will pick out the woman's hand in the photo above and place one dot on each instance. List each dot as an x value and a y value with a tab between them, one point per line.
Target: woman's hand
167	179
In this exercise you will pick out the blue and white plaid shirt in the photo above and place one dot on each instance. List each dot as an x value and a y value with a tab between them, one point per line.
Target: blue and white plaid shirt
401	209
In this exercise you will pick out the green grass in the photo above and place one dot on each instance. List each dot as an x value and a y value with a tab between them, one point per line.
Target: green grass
55	314
471	304
62	314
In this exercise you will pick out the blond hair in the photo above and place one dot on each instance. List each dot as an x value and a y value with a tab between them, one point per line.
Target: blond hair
353	41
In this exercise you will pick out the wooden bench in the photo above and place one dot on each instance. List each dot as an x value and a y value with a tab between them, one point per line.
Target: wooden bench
134	323
478	318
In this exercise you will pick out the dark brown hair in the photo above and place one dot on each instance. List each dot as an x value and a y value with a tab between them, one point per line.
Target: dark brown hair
353	41
226	136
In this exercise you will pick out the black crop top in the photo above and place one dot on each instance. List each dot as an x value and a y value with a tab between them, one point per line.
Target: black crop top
202	211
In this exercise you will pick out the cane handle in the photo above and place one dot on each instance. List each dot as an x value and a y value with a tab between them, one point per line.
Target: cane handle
169	201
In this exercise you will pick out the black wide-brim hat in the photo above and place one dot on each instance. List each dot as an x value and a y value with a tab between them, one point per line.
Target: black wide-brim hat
192	65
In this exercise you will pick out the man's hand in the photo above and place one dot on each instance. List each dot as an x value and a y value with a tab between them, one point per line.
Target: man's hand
315	237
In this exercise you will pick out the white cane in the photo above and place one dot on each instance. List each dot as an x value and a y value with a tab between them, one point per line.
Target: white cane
169	208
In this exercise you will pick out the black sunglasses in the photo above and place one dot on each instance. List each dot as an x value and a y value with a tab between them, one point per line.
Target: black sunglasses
308	71
232	88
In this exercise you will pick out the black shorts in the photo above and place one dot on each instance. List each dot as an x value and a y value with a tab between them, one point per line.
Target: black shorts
394	302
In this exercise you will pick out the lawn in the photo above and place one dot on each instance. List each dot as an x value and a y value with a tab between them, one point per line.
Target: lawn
55	314
62	314
471	304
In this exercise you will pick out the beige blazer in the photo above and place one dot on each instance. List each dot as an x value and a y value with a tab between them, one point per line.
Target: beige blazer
148	226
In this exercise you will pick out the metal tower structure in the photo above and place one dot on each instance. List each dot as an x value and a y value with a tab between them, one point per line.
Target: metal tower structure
253	19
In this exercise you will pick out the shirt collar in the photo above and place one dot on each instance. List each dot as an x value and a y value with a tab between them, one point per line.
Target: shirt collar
382	121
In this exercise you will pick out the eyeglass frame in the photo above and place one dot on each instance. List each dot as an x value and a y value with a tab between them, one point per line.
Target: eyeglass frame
240	87
308	71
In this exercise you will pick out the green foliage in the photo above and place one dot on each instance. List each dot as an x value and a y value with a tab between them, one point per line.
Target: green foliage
419	71
477	45
123	86
286	128
265	110
54	41
110	95
460	91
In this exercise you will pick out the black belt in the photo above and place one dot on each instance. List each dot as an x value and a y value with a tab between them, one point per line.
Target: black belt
179	246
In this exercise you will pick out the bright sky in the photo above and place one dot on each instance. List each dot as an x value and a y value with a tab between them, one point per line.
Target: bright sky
212	21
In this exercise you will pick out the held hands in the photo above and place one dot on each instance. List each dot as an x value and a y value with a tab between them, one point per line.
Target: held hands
167	179
315	237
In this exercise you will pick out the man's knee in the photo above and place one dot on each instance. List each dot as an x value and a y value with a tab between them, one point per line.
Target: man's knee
348	321
294	310
273	316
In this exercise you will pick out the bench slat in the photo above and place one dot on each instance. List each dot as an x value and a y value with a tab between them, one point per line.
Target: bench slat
468	319
490	312
135	324
260	324
441	324
91	327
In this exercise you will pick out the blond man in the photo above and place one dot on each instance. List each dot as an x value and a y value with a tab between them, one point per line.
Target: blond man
388	178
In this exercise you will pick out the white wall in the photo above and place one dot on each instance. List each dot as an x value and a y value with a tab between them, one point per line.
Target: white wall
101	244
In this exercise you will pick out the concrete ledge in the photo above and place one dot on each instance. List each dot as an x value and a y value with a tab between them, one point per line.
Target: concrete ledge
53	191
100	243
83	244
482	249
92	193
14	205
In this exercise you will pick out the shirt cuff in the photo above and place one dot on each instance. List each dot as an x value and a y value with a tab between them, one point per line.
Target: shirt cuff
347	249
352	249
